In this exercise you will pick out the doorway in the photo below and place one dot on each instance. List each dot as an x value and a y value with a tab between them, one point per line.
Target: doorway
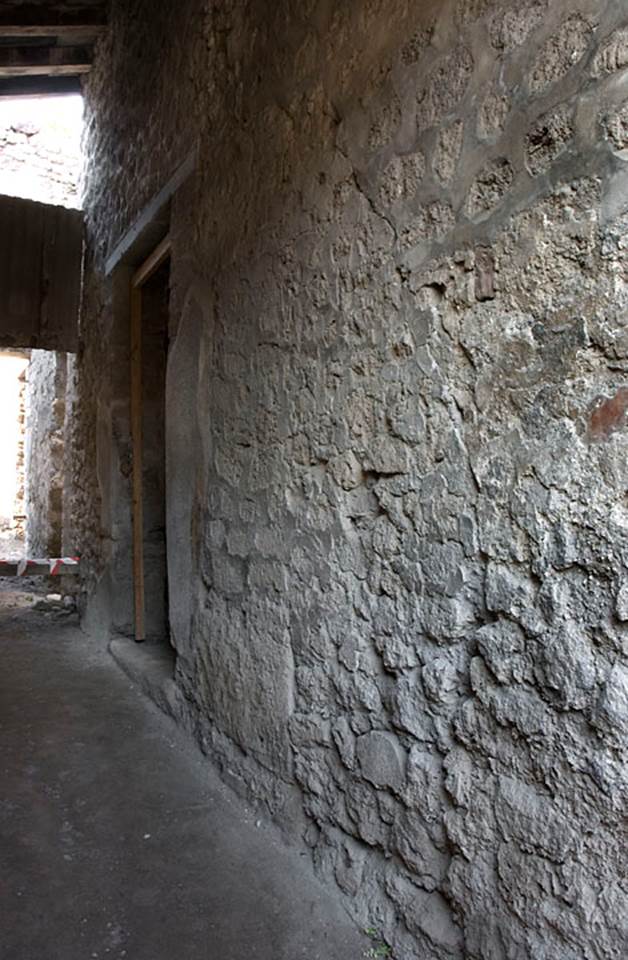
150	295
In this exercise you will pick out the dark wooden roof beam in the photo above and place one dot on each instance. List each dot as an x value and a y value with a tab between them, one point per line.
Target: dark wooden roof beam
49	61
47	19
12	87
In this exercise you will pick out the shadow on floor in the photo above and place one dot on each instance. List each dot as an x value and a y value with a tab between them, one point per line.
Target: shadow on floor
116	838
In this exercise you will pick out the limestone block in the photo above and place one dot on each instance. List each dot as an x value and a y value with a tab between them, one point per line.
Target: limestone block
425	914
612	55
561	52
448	149
611	711
489	187
548	138
444	87
382	759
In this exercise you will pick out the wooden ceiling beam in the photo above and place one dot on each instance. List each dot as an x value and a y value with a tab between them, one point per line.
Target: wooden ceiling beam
48	19
44	61
38	86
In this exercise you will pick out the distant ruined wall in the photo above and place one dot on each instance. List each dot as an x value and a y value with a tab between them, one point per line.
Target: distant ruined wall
39	161
44	457
19	509
396	439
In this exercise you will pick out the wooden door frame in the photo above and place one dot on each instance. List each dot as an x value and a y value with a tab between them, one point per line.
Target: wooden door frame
142	274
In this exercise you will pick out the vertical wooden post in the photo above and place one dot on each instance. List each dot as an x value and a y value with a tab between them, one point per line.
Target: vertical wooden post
136	434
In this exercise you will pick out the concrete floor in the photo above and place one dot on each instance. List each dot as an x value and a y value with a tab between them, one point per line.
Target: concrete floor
116	839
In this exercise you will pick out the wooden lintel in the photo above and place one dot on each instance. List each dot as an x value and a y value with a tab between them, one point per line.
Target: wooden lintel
152	262
154	218
44	61
60	71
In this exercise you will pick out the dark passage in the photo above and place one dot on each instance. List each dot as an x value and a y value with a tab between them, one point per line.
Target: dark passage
155	302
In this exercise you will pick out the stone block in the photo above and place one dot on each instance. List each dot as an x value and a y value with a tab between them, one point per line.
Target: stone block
382	759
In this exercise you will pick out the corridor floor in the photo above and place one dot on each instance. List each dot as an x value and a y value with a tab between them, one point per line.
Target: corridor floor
116	839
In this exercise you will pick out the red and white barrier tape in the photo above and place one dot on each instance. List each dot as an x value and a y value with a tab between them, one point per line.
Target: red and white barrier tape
56	566
53	567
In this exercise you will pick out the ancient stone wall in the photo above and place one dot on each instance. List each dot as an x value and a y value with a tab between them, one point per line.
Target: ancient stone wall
19	510
46	382
12	390
395	439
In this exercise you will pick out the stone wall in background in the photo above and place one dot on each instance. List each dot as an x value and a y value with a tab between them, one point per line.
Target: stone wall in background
19	510
12	391
40	156
46	381
396	439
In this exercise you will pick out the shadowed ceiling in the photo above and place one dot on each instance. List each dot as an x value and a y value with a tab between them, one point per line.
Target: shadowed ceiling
45	48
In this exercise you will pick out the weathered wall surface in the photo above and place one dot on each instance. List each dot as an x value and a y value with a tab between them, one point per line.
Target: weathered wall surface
398	369
46	383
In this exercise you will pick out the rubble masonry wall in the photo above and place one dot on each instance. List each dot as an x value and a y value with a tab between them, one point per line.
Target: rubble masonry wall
395	439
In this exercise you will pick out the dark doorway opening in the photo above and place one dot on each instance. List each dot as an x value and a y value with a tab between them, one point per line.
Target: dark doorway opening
149	354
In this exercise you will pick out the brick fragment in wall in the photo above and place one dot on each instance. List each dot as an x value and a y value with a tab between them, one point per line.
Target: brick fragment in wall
484	274
404	432
609	414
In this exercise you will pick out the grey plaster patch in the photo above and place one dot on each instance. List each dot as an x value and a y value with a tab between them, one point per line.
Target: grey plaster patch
183	469
381	759
492	115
